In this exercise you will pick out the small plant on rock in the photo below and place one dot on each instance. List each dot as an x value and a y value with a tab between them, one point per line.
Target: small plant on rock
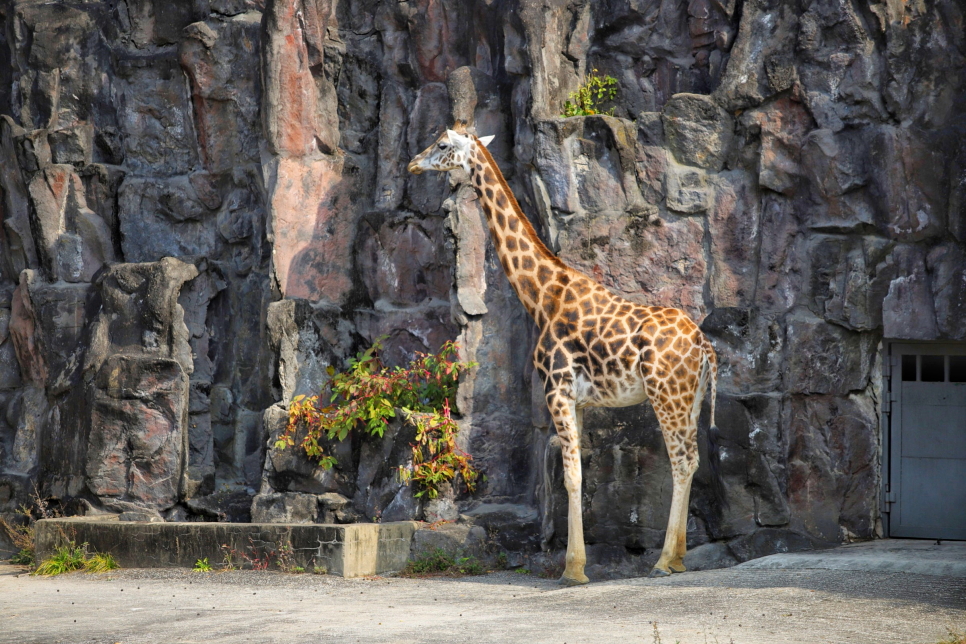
202	565
589	97
366	396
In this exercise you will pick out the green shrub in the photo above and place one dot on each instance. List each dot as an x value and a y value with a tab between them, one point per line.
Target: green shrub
202	565
365	398
589	97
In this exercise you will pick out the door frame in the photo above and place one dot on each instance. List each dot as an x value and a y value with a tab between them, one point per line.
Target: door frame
891	421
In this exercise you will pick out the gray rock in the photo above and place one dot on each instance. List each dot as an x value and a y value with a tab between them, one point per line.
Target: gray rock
709	556
72	145
288	507
825	358
455	539
769	541
441	508
145	516
908	309
699	132
514	527
687	188
225	505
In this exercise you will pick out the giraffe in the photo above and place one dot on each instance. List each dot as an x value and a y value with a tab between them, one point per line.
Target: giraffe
594	349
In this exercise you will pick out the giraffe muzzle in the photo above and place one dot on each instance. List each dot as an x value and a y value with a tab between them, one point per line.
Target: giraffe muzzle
414	167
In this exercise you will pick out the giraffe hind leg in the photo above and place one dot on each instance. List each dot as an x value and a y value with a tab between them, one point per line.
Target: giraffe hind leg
680	437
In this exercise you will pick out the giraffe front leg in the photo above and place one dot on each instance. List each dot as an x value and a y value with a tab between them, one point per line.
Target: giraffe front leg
565	418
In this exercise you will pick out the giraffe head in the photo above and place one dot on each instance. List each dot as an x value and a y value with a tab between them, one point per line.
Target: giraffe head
451	150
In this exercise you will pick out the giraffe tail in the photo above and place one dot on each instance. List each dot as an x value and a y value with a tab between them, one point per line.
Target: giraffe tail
714	451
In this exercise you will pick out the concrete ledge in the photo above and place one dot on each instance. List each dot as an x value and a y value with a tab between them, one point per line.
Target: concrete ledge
919	557
352	550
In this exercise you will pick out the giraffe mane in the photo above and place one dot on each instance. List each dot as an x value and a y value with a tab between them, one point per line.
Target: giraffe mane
524	220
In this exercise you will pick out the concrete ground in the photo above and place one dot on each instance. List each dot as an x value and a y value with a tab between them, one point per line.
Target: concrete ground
827	596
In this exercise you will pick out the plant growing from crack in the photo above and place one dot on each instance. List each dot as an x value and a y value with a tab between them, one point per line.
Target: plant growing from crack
365	397
589	97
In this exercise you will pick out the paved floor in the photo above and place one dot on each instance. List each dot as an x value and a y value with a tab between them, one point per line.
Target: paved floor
747	604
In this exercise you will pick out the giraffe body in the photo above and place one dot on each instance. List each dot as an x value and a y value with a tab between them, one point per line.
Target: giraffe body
595	348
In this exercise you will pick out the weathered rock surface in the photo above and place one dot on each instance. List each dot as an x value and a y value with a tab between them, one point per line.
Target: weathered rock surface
204	206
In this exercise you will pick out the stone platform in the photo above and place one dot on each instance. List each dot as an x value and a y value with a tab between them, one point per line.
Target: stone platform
353	550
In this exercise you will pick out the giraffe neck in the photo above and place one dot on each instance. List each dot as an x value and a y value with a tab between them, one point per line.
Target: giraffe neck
520	250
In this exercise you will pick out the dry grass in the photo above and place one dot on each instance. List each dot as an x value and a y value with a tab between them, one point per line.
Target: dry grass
954	637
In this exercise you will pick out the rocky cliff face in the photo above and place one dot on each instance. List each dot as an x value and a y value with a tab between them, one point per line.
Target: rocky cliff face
205	204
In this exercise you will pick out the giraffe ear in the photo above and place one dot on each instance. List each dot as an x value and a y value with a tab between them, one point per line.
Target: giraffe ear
485	140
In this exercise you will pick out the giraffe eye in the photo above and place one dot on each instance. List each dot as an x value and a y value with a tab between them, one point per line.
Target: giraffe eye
443	146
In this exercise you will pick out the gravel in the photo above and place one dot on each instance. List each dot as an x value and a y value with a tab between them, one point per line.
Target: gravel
720	606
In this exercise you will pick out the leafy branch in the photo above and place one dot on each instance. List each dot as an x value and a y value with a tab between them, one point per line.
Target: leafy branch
365	397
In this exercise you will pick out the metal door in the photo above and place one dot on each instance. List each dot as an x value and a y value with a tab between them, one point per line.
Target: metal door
927	473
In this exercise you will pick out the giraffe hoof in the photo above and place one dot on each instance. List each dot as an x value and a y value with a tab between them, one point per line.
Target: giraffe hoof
677	567
571	581
659	572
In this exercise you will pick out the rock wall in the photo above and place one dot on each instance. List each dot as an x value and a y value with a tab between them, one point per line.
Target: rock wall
205	204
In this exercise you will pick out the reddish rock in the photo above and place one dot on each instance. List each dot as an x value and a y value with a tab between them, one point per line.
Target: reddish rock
48	195
139	418
221	61
293	112
783	126
438	31
25	337
309	208
734	225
